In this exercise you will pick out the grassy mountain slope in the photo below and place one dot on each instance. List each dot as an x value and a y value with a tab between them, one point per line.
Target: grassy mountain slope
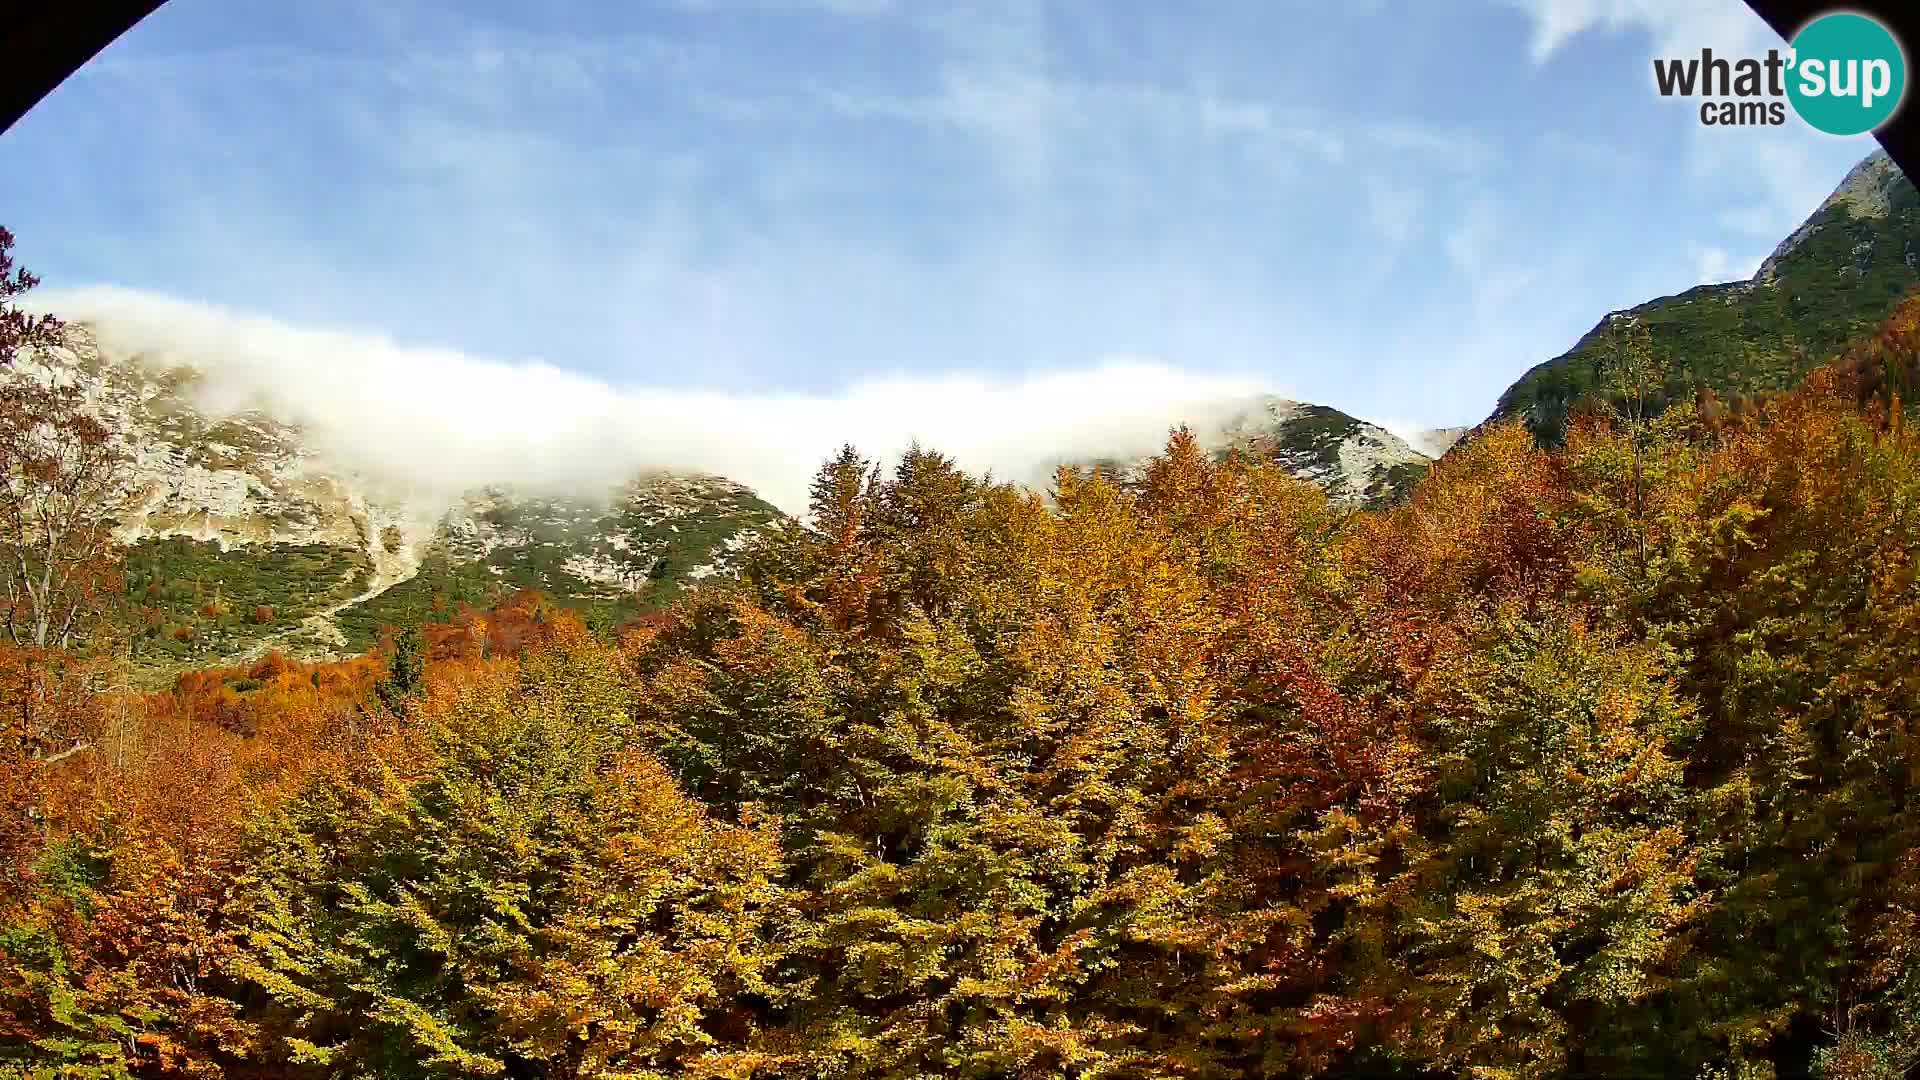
636	553
1834	279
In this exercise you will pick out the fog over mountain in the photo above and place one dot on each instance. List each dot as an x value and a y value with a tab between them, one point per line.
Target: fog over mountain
444	421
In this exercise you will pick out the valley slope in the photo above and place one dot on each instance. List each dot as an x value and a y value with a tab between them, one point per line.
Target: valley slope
1834	278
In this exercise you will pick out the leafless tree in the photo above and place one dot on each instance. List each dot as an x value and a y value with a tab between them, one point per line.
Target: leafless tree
1634	378
62	474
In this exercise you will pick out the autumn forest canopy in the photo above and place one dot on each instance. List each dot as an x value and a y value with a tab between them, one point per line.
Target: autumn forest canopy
1590	760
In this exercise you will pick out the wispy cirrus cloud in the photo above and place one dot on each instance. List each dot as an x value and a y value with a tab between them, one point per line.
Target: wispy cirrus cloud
1768	179
801	194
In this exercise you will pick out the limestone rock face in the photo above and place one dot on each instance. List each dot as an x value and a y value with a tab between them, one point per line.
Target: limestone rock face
244	536
231	513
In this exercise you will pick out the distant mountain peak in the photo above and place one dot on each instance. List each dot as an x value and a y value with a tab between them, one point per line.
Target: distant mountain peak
1435	442
1837	276
1355	462
1871	189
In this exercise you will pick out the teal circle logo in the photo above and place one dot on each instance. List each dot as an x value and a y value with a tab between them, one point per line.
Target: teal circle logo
1848	74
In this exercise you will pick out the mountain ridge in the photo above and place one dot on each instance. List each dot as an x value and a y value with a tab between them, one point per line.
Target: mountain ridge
243	535
1834	277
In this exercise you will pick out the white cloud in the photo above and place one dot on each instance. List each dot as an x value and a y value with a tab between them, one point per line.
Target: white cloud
1620	163
1764	180
1036	125
1783	176
843	8
696	209
1412	434
1490	264
1394	212
443	422
1470	243
1713	265
1676	27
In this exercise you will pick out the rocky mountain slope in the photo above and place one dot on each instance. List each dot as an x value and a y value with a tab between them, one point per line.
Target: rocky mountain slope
1836	276
242	537
1353	460
1356	462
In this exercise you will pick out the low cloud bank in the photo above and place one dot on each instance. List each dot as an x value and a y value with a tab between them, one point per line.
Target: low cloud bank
443	421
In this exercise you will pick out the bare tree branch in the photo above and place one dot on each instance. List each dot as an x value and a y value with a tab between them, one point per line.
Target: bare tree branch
76	748
62	474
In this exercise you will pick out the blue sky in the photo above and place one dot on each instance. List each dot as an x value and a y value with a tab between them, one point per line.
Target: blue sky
1392	207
